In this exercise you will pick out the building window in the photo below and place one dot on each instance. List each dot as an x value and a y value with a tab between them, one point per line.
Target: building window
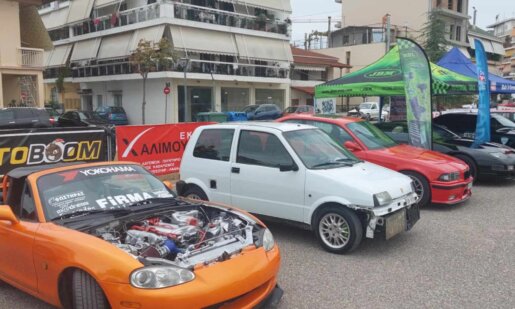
100	102
451	32
345	39
199	101
458	33
235	99
347	58
450	4
304	75
117	99
270	96
460	6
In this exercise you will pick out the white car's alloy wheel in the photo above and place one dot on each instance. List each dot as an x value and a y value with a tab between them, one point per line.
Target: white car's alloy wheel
334	230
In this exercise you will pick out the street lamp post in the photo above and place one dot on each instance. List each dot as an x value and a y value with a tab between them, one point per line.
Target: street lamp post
185	62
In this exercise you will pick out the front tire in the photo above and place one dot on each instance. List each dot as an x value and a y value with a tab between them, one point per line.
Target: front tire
422	187
195	193
471	164
338	229
87	294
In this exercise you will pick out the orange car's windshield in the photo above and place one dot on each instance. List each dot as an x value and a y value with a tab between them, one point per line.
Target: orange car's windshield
97	188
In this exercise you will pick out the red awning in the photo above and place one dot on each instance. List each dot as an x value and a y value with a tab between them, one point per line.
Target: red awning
307	90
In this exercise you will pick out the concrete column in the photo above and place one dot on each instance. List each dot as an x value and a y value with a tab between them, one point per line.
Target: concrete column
41	90
252	95
217	92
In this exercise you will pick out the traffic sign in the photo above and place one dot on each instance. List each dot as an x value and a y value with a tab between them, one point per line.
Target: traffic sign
166	90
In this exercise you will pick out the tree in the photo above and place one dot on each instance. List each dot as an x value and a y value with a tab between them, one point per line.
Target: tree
149	57
433	36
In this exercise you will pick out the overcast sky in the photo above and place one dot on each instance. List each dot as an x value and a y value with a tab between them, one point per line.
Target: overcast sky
319	10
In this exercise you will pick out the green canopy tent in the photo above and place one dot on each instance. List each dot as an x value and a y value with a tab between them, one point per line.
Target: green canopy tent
384	78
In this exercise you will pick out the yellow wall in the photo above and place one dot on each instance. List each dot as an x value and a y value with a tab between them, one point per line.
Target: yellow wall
9	32
69	97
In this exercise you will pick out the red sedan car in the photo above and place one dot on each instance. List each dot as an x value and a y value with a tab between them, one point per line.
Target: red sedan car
438	178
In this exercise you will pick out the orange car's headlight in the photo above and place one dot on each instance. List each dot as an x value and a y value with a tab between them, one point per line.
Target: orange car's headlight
157	277
268	240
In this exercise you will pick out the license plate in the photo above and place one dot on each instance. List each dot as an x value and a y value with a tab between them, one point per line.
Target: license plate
395	224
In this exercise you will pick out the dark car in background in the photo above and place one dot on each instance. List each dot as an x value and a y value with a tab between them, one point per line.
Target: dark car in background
263	112
489	159
82	119
25	117
464	124
113	114
506	113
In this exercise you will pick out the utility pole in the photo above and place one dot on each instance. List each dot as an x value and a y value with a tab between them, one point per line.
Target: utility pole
388	33
329	32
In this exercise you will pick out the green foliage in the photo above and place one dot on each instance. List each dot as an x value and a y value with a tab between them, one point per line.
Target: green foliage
150	57
59	82
433	36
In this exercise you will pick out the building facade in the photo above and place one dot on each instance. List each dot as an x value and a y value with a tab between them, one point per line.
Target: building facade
505	31
309	70
23	39
232	54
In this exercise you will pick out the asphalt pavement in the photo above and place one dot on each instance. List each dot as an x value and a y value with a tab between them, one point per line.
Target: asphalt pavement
455	257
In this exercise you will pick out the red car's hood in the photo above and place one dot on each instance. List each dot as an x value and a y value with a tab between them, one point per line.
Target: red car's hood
421	155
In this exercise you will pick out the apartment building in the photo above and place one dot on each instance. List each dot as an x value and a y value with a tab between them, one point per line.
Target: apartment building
232	54
23	38
505	31
309	70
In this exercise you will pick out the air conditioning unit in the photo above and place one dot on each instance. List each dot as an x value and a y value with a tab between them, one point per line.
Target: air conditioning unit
338	1
338	25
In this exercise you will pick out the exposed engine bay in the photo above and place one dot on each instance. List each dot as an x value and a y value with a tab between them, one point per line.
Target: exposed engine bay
196	234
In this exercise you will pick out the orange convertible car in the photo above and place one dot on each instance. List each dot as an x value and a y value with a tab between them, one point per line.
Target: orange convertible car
111	235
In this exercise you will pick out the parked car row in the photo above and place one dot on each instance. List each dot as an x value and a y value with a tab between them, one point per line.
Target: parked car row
33	117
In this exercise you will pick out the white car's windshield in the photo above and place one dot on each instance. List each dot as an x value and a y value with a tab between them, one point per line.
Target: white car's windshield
97	188
317	150
365	106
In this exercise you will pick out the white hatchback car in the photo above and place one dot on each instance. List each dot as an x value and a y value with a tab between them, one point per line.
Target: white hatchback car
297	173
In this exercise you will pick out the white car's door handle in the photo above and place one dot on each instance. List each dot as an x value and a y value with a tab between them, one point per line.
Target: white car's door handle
235	170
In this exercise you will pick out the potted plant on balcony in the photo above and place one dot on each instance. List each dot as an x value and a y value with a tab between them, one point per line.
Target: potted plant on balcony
261	21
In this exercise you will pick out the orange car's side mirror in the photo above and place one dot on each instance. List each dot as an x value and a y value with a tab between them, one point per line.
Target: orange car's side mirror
6	214
168	184
352	146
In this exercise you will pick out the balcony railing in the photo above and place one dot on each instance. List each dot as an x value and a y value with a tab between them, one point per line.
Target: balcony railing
30	57
195	66
226	18
124	18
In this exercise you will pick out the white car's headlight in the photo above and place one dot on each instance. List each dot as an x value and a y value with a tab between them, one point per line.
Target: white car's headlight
381	199
156	277
268	240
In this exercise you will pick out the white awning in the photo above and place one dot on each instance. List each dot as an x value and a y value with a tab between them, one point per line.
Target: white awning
55	18
153	34
498	48
100	3
486	43
464	51
203	41
115	46
309	68
261	48
84	50
279	5
58	56
79	10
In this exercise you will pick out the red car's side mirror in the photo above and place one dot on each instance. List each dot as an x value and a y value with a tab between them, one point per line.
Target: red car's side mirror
352	146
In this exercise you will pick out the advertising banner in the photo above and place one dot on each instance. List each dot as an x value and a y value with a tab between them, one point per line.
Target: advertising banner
30	147
325	106
417	79
158	147
483	113
397	109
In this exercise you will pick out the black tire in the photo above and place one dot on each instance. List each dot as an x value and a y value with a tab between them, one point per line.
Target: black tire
470	162
87	294
195	193
354	226
424	197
